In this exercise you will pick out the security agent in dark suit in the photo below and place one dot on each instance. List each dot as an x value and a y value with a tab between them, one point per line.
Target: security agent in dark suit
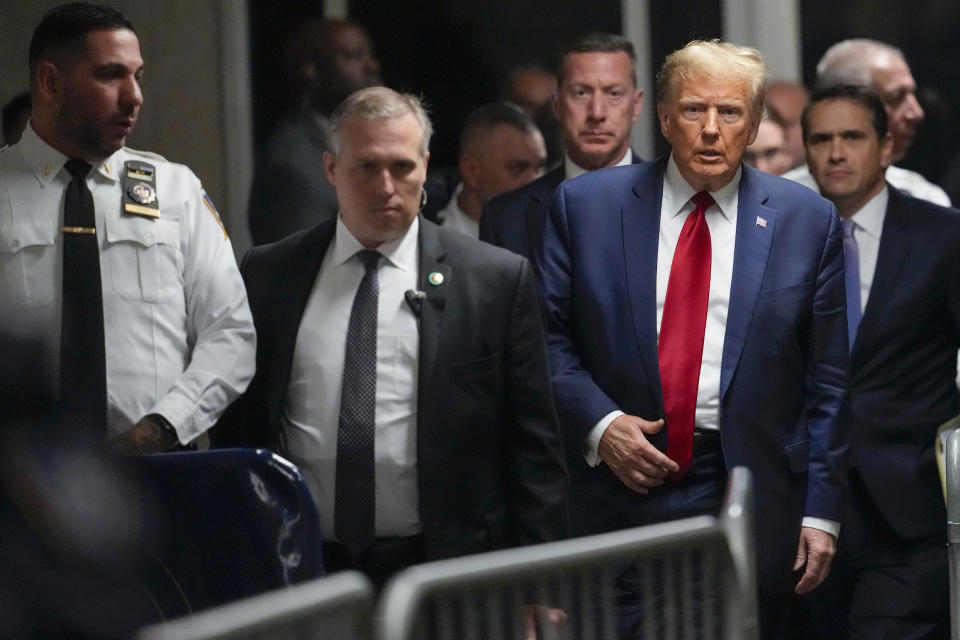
903	305
468	455
597	101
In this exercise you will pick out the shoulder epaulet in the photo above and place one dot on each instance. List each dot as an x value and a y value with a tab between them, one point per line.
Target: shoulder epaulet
145	154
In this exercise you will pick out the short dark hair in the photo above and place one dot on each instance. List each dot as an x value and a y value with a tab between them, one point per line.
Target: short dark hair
597	42
864	96
63	29
482	119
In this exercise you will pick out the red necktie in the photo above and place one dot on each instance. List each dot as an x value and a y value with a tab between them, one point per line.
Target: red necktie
680	348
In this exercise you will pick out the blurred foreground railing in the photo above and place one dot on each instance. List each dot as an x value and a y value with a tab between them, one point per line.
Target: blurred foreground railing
335	608
696	578
952	469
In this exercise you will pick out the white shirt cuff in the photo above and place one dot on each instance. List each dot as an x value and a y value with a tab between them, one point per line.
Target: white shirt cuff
593	438
830	526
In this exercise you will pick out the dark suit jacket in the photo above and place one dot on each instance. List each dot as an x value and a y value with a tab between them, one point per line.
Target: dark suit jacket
290	191
903	364
514	220
490	462
783	383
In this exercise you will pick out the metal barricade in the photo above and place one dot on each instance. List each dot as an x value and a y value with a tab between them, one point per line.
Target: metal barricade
692	578
334	608
952	468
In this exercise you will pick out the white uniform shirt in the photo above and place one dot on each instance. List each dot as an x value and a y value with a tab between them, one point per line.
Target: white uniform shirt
910	182
453	217
178	332
312	408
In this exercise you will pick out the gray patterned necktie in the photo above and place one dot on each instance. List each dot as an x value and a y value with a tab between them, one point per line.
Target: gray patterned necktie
354	500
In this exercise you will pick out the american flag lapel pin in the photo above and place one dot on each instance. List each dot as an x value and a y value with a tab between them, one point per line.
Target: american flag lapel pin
761	222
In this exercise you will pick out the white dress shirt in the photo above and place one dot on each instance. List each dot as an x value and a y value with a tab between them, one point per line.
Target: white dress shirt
453	217
721	218
178	332
572	170
910	182
867	229
312	409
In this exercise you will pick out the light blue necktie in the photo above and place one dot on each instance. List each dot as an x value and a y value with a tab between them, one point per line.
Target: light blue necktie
851	266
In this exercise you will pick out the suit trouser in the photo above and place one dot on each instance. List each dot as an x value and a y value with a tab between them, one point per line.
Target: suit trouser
699	492
881	586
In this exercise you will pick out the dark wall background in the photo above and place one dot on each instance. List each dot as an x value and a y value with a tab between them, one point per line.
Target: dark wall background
674	24
457	54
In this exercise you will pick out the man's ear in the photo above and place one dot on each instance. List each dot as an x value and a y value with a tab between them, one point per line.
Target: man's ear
886	150
48	80
468	167
329	167
637	104
664	119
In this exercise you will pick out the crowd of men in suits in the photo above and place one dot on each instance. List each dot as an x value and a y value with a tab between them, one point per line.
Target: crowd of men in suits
627	332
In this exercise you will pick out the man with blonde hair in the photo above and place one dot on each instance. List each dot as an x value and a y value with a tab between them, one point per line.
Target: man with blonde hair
695	323
401	365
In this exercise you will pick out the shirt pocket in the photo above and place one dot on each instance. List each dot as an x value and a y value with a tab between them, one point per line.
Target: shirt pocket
27	249
145	258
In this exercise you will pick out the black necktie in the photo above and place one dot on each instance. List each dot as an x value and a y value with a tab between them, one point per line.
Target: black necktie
354	500
83	385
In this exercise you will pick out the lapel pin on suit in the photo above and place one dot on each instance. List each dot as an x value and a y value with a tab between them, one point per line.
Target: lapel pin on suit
435	278
761	222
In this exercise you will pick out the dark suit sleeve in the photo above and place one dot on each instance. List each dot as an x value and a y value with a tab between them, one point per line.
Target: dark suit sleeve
537	483
487	229
827	381
244	423
578	395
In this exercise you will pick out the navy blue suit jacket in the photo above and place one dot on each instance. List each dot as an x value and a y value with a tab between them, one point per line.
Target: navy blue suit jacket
783	385
515	220
903	364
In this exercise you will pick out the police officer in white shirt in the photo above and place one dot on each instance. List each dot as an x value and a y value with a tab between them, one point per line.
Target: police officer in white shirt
177	332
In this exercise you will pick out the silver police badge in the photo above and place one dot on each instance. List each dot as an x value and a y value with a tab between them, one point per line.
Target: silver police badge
142	193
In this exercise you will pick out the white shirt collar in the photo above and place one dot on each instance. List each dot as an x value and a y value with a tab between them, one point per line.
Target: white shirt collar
571	169
870	216
401	252
46	162
677	192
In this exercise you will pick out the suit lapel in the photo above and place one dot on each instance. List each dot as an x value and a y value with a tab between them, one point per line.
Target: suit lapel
894	243
640	223
432	254
749	264
298	276
537	206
